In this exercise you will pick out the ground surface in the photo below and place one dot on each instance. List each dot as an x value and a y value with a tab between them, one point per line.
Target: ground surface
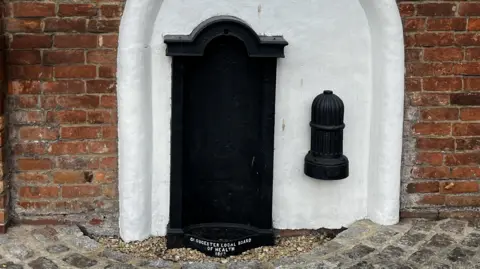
410	244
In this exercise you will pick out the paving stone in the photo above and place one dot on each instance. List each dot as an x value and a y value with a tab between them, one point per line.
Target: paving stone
20	251
454	226
438	265
43	263
411	238
156	263
84	242
45	234
391	253
120	266
358	251
246	265
4	239
424	225
79	261
207	265
327	248
440	241
422	256
460	255
115	255
396	265
10	265
358	230
362	265
382	236
472	240
57	248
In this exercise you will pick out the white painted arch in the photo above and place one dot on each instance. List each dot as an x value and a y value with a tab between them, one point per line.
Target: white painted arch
144	110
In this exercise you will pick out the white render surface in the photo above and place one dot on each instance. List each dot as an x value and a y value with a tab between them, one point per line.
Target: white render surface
353	47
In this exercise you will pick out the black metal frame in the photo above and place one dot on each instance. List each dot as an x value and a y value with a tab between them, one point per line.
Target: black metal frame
183	48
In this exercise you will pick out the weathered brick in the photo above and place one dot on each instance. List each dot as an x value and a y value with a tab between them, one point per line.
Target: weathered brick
39	192
429	158
103	26
465	172
462	201
75	41
78	101
30	72
81	191
80	132
468	144
82	71
21	41
466	129
465	99
470	114
68	177
101	56
469	9
23	25
37	133
440	114
442	84
65	25
446	24
63	87
67	116
463	159
423	187
66	148
111	11
444	144
26	9
24	57
436	9
67	10
34	164
443	54
432	200
24	87
63	57
459	187
434	172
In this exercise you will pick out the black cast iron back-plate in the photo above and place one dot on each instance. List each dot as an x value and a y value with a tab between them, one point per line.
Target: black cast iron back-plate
236	238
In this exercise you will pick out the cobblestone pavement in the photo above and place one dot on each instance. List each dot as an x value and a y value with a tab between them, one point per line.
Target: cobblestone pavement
411	244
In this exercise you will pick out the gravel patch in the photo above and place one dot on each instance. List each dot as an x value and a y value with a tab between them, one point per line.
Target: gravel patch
155	248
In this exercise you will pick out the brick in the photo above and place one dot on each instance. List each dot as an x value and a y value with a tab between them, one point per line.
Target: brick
417	69
34	164
465	172
472	68
462	159
468	215
101	56
468	144
446	24
443	54
440	114
442	84
436	9
73	116
99	117
434	39
432	200
423	187
109	132
26	101
32	177
108	41
108	101
63	57
65	25
83	71
21	41
78	101
66	148
29	149
466	129
48	102
24	57
27	117
462	201
75	41
103	26
413	55
101	86
470	114
33	9
66	10
102	147
469	9
33	205
429	158
103	177
406	9
465	99
107	71
111	11
109	163
413	24
63	87
38	133
77	162
413	84
458	187
473	24
38	192
23	25
467	39
436	172
31	72
80	132
471	84
69	177
110	191
444	144
81	191
430	99
429	214
472	54
24	87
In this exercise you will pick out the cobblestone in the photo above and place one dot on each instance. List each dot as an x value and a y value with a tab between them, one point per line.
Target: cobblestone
411	244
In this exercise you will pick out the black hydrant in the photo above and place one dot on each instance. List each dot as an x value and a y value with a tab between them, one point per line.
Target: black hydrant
325	160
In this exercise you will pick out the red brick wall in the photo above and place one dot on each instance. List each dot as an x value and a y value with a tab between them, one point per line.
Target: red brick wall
62	107
4	192
442	127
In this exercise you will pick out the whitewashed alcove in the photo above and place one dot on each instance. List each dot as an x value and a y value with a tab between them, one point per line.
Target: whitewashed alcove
353	47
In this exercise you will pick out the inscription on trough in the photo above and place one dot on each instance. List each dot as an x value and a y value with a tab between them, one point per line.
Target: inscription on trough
223	107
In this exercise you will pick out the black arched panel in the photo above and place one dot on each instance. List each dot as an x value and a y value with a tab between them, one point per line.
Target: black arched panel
223	107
